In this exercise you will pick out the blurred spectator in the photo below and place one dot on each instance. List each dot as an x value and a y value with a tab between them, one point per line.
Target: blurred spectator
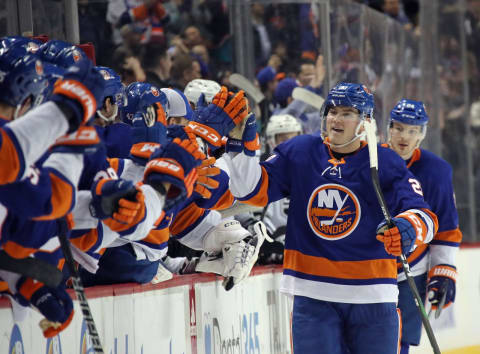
283	91
392	8
127	66
157	64
184	70
262	43
94	29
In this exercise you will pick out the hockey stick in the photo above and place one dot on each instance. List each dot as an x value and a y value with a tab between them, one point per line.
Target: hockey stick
309	97
250	89
33	268
373	153
78	286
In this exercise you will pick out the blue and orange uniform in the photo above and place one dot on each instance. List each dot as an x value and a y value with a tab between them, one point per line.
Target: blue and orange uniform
331	253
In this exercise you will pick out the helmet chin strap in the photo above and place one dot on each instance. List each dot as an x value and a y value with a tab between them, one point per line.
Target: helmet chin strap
358	135
109	119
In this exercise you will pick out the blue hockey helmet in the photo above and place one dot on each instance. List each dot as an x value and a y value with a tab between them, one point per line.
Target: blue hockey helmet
113	89
113	84
69	56
49	50
138	96
409	112
350	95
21	77
52	74
30	45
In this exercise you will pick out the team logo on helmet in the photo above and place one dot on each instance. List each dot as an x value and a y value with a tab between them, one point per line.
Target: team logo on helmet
155	91
106	75
333	211
366	89
76	55
38	67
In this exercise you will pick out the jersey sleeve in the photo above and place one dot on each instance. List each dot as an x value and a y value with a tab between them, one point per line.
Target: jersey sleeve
25	140
445	243
49	191
403	192
257	183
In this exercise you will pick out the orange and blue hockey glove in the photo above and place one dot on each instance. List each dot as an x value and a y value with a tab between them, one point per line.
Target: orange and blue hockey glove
118	203
53	303
222	115
205	182
174	165
409	231
250	142
78	93
441	285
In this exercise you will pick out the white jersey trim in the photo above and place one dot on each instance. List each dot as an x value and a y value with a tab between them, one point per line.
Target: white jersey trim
350	294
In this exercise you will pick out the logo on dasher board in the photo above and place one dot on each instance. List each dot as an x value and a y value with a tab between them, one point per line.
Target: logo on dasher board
333	211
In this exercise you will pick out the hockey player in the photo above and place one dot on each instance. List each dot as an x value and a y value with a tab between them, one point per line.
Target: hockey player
73	104
407	129
343	281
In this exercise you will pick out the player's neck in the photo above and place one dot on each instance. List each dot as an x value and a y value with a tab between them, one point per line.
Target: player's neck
352	147
6	111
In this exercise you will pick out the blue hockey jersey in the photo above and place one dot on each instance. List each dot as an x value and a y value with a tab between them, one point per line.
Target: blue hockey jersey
331	252
435	177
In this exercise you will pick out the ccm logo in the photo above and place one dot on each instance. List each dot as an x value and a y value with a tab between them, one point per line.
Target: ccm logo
164	164
84	96
204	132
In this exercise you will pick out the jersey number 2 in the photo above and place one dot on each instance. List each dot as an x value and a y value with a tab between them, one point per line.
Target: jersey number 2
417	188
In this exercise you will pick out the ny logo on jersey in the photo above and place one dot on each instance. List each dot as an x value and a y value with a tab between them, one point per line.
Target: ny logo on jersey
333	211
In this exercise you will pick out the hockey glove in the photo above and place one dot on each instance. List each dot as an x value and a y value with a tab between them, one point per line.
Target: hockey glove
146	127
222	115
118	203
204	181
83	141
441	286
409	232
174	165
78	93
53	303
236	256
250	142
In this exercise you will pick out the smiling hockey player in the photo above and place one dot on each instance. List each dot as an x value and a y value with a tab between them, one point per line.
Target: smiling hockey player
342	279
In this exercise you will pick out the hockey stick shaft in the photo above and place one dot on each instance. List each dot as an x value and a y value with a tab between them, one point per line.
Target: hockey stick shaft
372	149
78	287
33	268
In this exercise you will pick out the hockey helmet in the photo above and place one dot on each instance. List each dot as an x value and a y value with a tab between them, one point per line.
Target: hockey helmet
279	124
48	51
409	112
138	97
196	87
21	77
350	95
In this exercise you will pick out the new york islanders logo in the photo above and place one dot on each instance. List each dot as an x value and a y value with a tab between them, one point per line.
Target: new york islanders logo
333	211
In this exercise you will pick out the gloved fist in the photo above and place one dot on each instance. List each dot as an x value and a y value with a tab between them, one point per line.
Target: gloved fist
146	127
224	113
53	303
85	140
250	142
204	181
118	203
398	240
174	165
441	285
79	92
